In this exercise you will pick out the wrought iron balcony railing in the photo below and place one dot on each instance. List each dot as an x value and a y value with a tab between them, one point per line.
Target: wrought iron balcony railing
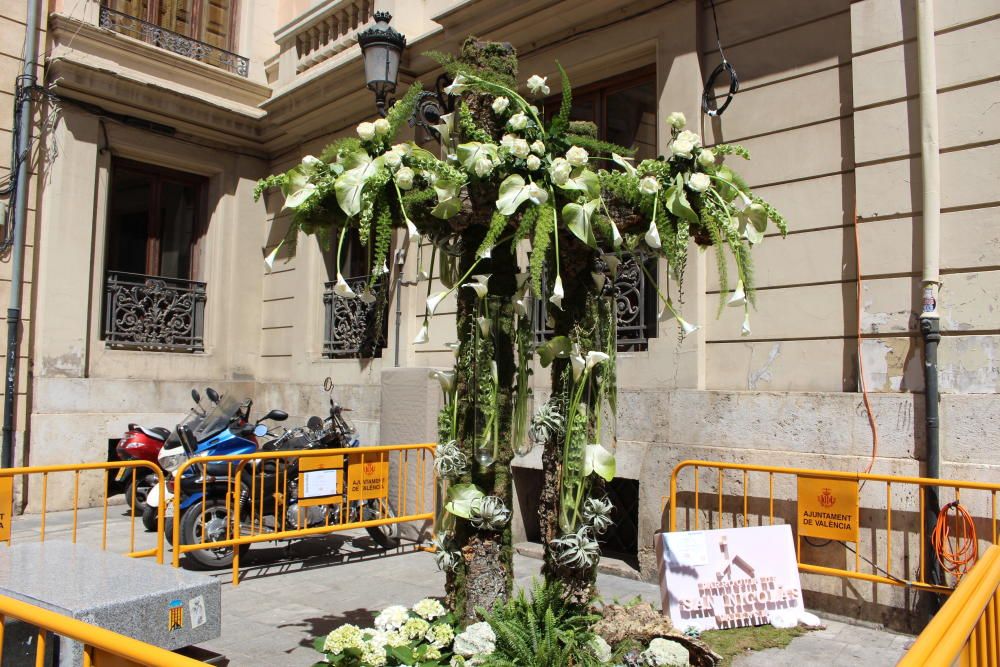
173	41
153	313
635	301
352	326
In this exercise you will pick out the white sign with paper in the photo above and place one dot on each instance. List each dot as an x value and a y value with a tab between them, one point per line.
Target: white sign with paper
729	578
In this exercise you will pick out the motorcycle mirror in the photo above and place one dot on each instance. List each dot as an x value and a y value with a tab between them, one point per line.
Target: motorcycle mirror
315	423
260	430
275	415
195	396
328	384
212	395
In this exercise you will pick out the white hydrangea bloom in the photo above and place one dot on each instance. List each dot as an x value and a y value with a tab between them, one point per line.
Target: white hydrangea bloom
429	608
392	618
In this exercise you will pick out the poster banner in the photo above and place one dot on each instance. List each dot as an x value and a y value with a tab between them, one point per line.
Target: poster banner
729	578
367	476
828	508
321	480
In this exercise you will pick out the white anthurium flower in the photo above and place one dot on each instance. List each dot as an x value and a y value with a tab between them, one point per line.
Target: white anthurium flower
485	324
577	156
738	297
424	334
536	84
613	262
706	158
446	378
520	148
367	296
557	293
458	86
745	329
599	279
594	357
533	163
676	120
649	185
404	178
393	160
434	300
342	289
741	202
598	459
578	362
623	162
653	236
699	182
537	194
500	104
366	130
381	127
412	233
518	121
560	171
538	147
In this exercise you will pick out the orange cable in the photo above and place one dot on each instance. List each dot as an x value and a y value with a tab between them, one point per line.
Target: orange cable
861	364
958	560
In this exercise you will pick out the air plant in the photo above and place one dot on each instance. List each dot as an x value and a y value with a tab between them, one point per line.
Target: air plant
490	513
447	559
578	551
547	423
596	512
449	461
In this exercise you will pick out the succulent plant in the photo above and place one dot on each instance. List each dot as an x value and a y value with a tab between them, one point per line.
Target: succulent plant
449	460
597	513
490	513
447	560
578	551
547	423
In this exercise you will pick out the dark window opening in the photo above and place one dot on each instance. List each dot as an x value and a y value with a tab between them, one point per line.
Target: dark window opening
210	21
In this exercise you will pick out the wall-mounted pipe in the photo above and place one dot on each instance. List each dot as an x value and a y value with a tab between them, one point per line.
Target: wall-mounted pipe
931	212
22	139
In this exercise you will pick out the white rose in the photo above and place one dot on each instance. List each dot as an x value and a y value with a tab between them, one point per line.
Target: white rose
536	84
537	194
392	160
560	170
381	127
706	158
685	143
500	104
404	178
676	120
577	156
402	150
649	185
366	130
518	121
507	141
483	166
534	162
538	147
699	182
520	148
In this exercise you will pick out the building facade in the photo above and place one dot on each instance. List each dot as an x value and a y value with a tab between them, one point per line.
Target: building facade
145	247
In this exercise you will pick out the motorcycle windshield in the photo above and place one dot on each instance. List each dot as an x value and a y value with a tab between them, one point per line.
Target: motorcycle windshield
218	418
192	421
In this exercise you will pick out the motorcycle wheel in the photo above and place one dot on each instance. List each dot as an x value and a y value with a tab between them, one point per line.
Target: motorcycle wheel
213	528
387	535
149	518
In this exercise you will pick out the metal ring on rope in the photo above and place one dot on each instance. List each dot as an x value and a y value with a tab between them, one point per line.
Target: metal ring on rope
708	99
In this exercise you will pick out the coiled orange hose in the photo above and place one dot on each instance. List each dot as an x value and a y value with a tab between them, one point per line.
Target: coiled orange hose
959	559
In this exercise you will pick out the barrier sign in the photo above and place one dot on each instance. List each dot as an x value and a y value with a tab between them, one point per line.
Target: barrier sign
729	578
367	476
321	480
828	508
6	506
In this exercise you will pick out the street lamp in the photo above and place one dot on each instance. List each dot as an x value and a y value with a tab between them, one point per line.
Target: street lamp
382	47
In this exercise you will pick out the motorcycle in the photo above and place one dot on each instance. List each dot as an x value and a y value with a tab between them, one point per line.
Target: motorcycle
224	430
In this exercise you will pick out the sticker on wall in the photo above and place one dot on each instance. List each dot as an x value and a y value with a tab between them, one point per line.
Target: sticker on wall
175	615
198	615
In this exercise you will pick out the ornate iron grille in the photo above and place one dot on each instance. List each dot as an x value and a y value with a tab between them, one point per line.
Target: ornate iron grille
352	328
153	313
635	302
173	41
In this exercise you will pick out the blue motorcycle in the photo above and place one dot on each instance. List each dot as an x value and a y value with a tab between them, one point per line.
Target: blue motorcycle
226	429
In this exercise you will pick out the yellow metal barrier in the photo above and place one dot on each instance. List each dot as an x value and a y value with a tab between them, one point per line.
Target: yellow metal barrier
101	647
895	486
363	494
31	473
966	630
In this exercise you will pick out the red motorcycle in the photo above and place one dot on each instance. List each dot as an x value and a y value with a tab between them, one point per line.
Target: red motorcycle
141	443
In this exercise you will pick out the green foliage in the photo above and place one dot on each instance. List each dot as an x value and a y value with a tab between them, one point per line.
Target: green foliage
731	149
541	631
561	120
268	182
498	223
468	128
544	226
401	111
596	146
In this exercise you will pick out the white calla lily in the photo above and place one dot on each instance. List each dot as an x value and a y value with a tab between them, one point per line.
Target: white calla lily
557	293
485	324
423	335
458	86
412	233
745	329
686	326
342	289
738	297
446	378
434	300
653	236
670	313
480	289
594	357
578	363
271	256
